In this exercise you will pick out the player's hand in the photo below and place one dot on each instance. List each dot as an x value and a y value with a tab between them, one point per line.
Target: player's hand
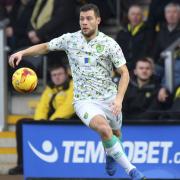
116	106
15	59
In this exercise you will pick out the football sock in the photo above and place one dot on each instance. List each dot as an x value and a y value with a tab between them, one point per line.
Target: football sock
114	149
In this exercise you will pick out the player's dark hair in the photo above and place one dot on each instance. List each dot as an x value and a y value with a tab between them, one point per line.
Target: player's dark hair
88	7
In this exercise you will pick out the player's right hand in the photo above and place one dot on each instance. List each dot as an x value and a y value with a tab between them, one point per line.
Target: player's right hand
15	59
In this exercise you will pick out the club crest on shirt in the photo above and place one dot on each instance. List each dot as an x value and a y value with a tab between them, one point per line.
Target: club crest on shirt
86	115
99	48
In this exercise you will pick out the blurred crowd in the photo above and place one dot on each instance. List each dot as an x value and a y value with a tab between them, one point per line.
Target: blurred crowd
142	41
143	35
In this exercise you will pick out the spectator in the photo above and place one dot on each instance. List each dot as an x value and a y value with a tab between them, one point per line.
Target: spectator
156	13
51	19
5	8
168	33
55	105
124	6
19	20
7	4
135	39
141	98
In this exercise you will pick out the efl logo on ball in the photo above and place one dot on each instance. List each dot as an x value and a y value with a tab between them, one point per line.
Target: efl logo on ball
24	80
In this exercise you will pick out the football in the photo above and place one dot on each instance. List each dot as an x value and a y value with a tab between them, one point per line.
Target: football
24	80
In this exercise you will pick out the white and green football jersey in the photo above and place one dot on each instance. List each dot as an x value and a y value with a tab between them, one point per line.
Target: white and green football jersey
91	63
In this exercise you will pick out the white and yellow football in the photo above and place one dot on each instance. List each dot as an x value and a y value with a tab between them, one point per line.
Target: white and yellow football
24	80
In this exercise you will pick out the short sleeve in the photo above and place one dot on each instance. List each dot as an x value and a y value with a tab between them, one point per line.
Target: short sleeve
116	55
59	43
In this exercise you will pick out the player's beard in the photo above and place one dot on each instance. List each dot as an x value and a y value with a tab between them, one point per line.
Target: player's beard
90	33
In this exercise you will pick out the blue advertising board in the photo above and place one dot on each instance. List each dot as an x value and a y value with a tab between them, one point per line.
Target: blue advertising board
75	151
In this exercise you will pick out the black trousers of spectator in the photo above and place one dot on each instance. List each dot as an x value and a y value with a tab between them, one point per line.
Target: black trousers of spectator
19	140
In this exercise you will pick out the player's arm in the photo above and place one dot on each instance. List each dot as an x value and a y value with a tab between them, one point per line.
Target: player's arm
117	57
122	87
59	43
39	49
123	83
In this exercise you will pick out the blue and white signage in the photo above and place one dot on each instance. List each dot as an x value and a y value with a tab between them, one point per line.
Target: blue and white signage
75	151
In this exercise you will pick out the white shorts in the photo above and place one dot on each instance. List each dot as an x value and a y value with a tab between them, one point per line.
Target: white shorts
87	109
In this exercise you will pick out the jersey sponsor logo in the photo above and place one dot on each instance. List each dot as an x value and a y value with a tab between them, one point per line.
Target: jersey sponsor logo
49	155
86	60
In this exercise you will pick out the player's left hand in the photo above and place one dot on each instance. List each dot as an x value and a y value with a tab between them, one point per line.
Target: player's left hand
116	106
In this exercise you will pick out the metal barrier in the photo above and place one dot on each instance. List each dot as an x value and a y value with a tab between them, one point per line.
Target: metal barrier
3	75
169	64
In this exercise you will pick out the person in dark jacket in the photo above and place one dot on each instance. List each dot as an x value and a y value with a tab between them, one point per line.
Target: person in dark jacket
8	5
169	32
141	99
135	39
156	13
16	31
51	19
